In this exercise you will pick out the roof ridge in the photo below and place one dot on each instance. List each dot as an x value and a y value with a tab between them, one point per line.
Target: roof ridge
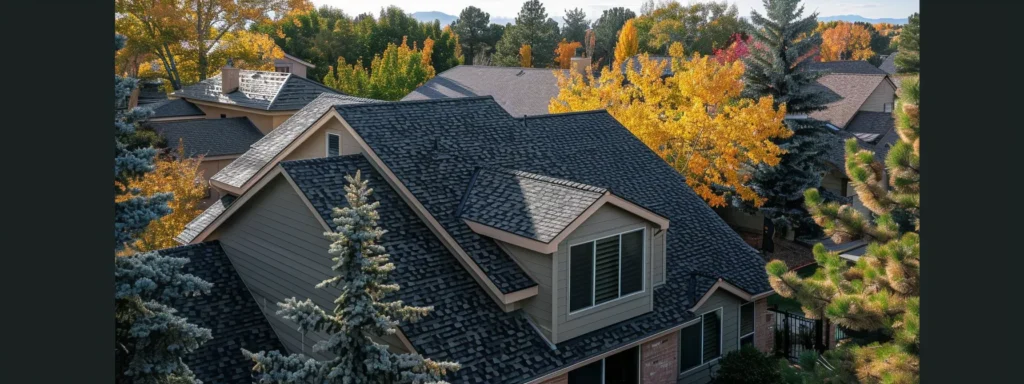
422	101
548	179
284	83
560	114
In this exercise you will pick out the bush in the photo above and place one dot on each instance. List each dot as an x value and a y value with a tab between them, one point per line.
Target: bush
748	365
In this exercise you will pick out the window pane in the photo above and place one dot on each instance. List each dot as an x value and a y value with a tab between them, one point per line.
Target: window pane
607	275
632	262
689	347
581	275
623	367
748	340
746	318
587	374
712	335
333	145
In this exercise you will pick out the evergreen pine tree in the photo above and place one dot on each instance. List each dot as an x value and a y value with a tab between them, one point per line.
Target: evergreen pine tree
533	28
777	66
908	58
149	338
471	26
361	271
575	25
880	293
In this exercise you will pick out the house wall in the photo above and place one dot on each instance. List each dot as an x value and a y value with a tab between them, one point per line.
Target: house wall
540	267
316	145
764	326
293	66
211	167
833	182
265	123
658	257
608	220
730	305
742	220
659	360
277	246
883	94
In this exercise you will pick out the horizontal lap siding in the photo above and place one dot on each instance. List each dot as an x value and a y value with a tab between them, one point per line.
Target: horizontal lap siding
658	259
540	267
883	94
607	220
278	248
730	305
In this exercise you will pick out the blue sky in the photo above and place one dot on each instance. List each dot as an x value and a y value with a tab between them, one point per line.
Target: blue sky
593	8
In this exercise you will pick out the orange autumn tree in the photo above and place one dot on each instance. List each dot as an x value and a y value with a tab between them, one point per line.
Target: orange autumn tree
696	119
525	56
565	52
628	43
181	176
846	41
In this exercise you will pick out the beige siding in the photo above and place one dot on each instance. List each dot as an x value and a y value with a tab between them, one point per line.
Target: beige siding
740	219
883	94
658	258
316	145
608	220
833	182
211	167
540	267
730	305
265	123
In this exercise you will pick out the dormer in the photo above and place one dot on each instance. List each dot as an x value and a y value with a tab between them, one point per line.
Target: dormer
595	256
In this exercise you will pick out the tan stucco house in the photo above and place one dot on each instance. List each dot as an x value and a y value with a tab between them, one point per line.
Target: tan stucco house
293	65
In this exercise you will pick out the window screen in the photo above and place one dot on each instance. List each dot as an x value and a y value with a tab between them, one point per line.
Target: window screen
333	145
632	262
606	277
712	336
581	275
689	347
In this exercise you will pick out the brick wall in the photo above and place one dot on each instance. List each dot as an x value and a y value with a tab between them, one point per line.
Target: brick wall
562	379
764	326
658	359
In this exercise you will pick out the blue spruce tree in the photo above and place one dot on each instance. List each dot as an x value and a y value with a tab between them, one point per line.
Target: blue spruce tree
361	269
149	338
778	67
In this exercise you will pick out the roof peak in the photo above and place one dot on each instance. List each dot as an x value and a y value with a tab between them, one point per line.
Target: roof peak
544	178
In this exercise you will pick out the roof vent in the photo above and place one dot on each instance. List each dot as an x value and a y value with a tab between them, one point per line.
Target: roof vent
521	72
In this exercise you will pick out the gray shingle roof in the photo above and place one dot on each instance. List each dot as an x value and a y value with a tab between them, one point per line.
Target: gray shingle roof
229	311
849	92
263	151
198	224
859	67
210	137
889	64
270	91
521	91
466	326
875	131
871	126
526	204
175	108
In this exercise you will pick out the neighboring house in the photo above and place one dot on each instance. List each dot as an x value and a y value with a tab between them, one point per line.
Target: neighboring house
175	109
553	249
219	141
520	91
889	64
293	65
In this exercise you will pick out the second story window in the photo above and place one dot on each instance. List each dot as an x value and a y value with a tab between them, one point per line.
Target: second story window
887	107
333	145
606	269
282	69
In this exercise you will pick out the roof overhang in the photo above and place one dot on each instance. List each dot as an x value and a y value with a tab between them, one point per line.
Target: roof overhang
239	108
174	118
729	287
552	245
298	60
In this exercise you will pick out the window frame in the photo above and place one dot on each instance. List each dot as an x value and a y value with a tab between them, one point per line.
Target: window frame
327	144
639	364
593	271
721	339
739	325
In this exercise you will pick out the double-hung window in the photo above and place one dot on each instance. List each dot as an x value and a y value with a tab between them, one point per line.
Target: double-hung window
606	269
701	342
746	324
333	145
620	368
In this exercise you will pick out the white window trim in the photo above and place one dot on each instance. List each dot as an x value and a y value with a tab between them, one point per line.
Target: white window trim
593	272
721	331
327	144
739	325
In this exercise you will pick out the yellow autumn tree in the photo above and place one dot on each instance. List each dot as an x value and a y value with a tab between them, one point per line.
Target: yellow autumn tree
392	74
565	52
696	119
628	43
525	56
846	41
181	176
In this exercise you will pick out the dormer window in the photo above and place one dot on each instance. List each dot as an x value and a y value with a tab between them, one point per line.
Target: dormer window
333	145
606	269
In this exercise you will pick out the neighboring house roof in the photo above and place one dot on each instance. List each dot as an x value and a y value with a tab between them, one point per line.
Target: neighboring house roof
526	204
229	311
262	152
198	224
466	326
175	108
635	61
151	92
860	67
850	91
870	127
889	64
269	91
298	60
521	91
210	137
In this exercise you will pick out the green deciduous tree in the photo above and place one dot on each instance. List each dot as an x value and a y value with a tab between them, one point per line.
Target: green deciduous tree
880	292
472	28
908	58
533	28
361	271
701	27
392	74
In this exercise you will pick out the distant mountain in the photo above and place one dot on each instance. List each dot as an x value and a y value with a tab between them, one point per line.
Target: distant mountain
444	18
856	18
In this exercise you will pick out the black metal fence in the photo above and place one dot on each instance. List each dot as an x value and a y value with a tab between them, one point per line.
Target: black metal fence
795	334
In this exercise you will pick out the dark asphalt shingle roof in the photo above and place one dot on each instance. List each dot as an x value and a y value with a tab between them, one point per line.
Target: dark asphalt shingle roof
263	151
526	204
210	137
175	108
521	91
871	126
466	326
889	64
859	67
270	91
849	92
229	311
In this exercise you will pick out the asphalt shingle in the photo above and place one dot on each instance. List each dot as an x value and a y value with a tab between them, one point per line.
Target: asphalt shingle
860	67
849	92
210	137
870	127
270	91
198	224
174	108
521	91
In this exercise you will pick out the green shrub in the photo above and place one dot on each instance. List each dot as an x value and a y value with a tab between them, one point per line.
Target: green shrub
748	365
